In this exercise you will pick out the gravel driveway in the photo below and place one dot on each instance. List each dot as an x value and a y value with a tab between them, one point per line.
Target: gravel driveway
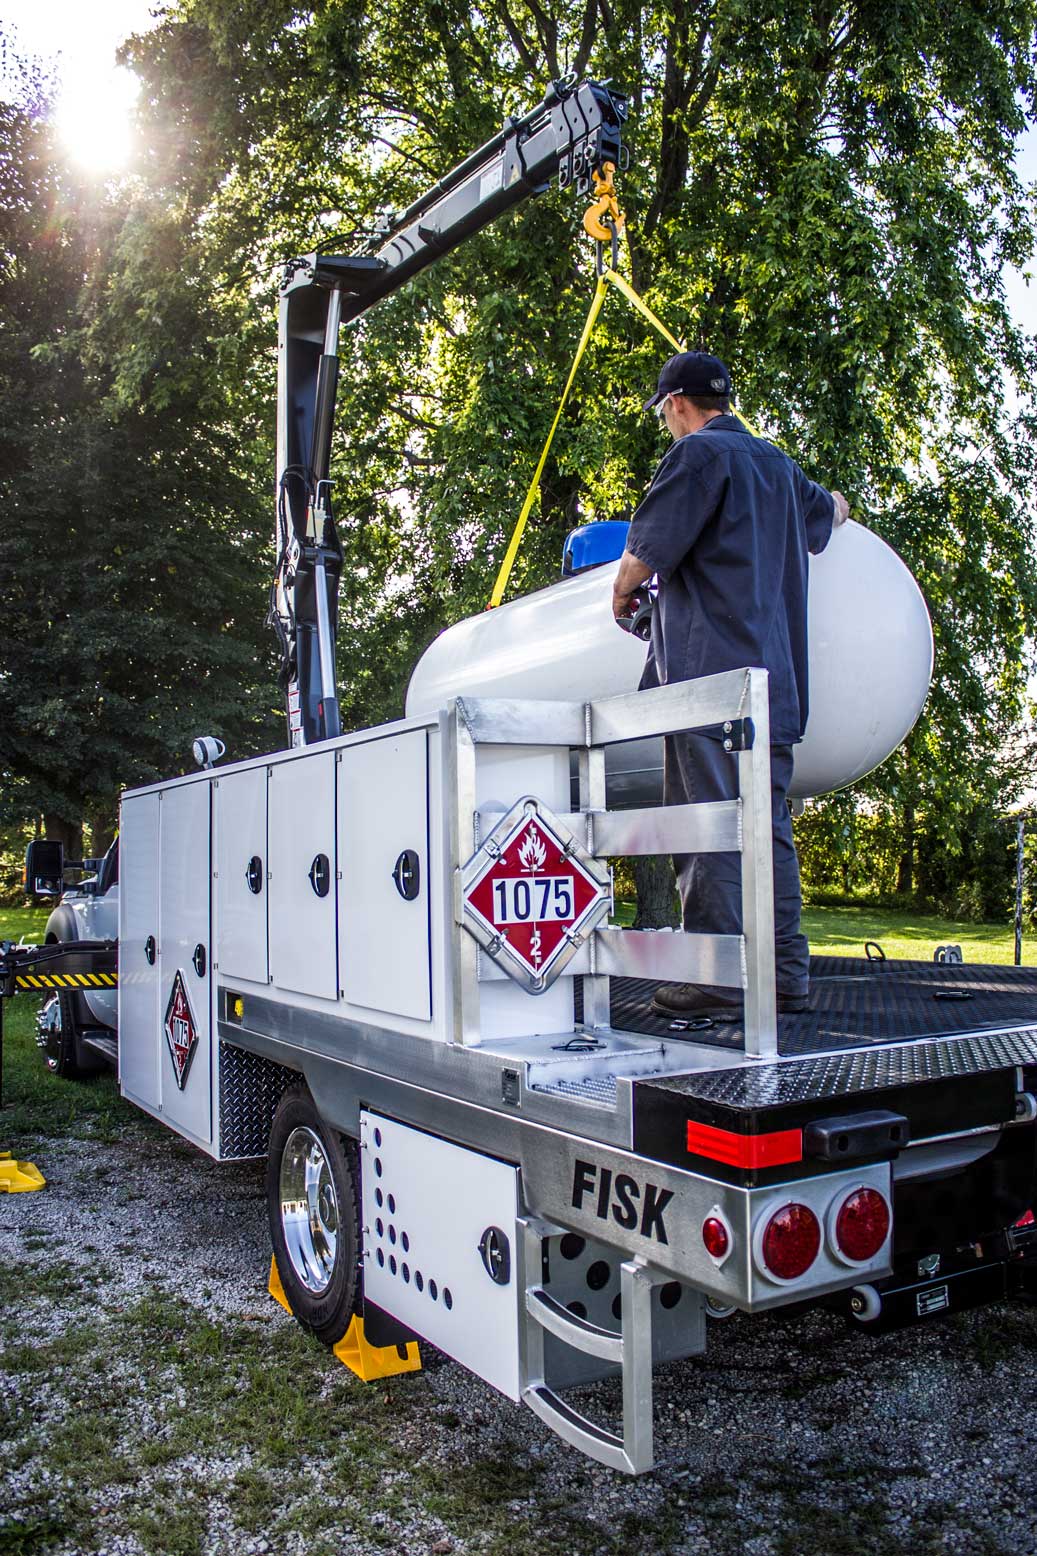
156	1400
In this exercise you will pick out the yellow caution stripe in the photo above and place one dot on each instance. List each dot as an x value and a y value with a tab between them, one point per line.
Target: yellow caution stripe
98	980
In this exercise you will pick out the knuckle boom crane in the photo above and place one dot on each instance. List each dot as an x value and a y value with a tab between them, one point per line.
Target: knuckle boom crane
574	134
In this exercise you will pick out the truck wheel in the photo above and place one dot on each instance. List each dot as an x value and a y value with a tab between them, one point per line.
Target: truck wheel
56	1036
313	1200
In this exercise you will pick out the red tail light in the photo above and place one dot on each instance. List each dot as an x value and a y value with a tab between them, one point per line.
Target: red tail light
715	1237
861	1225
791	1241
1026	1219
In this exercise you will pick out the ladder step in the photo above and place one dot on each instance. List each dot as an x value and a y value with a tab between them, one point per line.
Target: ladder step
629	1451
593	1440
580	1333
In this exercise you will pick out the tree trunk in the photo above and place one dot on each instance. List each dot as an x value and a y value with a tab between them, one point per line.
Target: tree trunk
102	824
906	867
68	832
656	893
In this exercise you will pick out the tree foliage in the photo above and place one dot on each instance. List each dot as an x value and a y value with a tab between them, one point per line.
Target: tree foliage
823	193
131	519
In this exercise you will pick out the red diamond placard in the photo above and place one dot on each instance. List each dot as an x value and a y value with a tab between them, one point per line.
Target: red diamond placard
180	1028
530	895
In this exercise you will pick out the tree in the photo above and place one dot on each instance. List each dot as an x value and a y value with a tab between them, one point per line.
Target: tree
822	193
131	539
825	195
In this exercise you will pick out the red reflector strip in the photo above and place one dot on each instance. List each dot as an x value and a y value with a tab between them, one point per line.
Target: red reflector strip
721	1145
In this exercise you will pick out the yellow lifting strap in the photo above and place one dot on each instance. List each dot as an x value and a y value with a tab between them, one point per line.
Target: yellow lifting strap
608	276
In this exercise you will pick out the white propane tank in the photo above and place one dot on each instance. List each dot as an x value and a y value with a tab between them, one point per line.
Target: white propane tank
871	661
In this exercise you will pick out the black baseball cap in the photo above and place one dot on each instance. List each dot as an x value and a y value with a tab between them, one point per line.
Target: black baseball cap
691	372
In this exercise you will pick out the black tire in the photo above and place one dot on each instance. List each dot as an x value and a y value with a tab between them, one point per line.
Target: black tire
60	1039
317	1249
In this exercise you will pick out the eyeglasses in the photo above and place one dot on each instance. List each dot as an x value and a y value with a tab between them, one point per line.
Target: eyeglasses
660	409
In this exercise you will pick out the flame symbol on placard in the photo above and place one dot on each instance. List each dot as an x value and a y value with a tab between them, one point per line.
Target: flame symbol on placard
533	853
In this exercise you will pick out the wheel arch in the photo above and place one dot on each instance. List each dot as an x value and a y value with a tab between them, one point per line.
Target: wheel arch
62	928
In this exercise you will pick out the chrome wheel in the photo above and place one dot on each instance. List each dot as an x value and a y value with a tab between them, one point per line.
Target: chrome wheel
309	1209
50	1033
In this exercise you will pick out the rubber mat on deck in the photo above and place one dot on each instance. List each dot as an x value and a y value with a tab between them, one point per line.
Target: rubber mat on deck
855	1003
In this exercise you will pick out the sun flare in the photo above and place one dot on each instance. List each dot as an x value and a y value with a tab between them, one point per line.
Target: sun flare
94	120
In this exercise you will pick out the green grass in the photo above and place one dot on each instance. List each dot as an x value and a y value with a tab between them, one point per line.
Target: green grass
30	922
272	1398
842	931
37	1103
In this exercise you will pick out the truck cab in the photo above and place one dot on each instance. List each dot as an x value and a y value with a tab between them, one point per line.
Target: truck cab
76	1029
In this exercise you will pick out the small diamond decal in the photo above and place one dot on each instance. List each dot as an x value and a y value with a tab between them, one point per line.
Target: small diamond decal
181	1031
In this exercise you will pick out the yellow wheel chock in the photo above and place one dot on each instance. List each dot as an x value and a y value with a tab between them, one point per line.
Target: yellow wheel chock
368	1361
19	1177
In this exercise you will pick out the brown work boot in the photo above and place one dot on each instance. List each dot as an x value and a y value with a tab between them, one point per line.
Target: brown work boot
688	1000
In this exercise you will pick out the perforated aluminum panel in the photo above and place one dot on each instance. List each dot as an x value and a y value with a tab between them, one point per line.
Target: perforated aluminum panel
583	1274
426	1205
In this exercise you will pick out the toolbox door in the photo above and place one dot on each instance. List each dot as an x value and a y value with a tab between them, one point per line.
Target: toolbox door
303	898
384	955
241	869
140	1022
185	955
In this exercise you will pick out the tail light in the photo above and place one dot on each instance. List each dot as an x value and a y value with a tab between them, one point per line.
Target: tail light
1026	1219
716	1238
788	1242
858	1225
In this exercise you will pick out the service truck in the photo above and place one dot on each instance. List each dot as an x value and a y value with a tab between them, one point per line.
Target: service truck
387	962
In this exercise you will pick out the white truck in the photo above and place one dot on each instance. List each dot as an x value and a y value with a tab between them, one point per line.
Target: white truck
385	961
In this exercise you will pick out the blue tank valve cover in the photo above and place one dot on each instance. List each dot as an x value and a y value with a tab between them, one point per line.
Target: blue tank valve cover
592	545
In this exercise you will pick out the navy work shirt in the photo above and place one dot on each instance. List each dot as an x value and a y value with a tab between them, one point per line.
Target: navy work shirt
726	526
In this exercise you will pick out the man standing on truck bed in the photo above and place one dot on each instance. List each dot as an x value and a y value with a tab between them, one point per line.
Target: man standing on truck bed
726	527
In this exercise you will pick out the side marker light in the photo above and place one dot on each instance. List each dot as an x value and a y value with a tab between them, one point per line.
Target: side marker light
715	1237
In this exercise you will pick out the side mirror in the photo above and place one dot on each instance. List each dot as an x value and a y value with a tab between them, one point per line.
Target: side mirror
45	868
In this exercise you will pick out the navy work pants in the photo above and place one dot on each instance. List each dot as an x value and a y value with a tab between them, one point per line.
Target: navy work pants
697	768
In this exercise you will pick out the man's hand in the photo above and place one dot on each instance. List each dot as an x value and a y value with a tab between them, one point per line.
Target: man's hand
629	577
622	605
842	510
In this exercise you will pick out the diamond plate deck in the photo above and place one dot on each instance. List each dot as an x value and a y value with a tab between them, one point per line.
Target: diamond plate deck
830	1076
250	1089
598	1091
857	1003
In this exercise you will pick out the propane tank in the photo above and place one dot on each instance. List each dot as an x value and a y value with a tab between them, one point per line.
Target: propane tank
870	656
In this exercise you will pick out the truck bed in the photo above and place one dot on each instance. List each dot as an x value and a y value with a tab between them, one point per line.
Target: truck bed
857	1003
945	1045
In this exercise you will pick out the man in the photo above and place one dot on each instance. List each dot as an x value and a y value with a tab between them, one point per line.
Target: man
726	527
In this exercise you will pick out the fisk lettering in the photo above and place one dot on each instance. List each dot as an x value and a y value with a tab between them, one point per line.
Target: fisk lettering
622	1197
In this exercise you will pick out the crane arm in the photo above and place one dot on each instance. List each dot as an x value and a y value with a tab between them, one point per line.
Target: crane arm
575	133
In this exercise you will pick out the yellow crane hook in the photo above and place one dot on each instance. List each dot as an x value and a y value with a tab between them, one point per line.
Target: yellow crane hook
603	219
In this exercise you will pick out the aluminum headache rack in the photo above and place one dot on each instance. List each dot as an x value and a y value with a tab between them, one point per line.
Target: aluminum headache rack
735	703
